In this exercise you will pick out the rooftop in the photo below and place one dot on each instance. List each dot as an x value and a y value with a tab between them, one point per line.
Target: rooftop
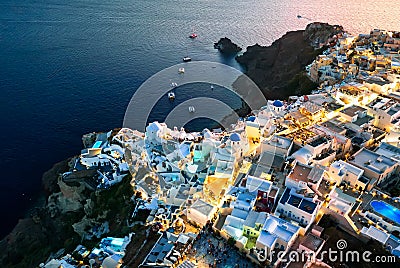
318	141
275	228
312	107
298	202
353	110
312	242
254	218
270	160
365	158
279	141
202	207
254	184
300	172
334	127
363	120
389	150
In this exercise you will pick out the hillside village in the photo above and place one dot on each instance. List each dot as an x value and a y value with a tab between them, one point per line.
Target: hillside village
269	183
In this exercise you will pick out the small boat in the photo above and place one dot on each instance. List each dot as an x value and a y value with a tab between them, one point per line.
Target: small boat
191	109
187	59
181	70
212	87
173	84
171	95
193	36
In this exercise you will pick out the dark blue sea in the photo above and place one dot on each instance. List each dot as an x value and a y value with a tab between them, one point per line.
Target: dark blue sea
71	67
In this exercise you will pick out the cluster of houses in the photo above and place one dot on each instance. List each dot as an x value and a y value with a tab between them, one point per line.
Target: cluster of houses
267	181
107	254
100	165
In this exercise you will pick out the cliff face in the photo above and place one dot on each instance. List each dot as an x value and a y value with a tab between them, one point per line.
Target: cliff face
70	213
226	46
33	238
279	69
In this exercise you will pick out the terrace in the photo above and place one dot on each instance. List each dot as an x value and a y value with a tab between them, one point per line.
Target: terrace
317	142
335	127
363	120
297	202
302	136
300	173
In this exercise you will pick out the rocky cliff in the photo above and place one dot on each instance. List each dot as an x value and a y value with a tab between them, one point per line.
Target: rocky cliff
226	46
278	69
34	238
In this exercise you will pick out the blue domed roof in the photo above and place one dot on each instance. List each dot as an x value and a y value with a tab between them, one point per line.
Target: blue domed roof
155	126
277	103
251	118
234	137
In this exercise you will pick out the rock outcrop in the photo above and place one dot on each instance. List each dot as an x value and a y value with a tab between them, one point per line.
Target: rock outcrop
278	69
50	177
319	33
71	212
46	230
226	46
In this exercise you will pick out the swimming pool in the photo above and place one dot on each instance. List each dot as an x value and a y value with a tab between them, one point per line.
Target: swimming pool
97	144
386	210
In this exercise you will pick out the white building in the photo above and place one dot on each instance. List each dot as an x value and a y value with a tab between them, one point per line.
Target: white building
342	171
340	202
200	212
376	167
386	113
277	145
298	208
276	235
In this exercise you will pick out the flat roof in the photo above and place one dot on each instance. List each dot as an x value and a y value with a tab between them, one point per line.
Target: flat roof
255	217
274	228
363	120
312	107
271	160
312	242
334	127
202	207
365	158
353	110
318	141
388	150
300	172
257	184
279	141
351	168
316	173
297	202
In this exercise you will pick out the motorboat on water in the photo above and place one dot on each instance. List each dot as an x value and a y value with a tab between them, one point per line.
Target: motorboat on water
187	59
181	70
191	109
171	95
193	36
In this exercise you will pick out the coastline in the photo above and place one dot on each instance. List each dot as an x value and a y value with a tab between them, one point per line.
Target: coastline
40	220
278	69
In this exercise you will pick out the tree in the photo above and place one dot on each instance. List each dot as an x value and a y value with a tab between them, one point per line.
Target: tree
231	241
